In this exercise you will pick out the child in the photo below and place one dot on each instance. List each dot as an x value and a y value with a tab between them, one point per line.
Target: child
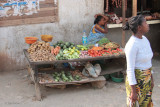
99	29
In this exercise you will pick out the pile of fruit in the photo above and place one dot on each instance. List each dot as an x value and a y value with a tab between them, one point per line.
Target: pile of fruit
82	48
64	45
41	51
69	53
67	76
95	53
55	50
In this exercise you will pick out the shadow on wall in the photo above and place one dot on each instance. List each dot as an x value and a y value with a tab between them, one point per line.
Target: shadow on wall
6	63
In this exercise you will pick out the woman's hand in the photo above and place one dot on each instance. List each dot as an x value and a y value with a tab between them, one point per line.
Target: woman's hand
134	97
97	15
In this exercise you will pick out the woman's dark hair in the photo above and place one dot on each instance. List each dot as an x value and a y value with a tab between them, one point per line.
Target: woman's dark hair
97	19
133	23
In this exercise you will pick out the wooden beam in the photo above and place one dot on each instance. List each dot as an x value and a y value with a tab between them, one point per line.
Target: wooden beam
124	21
134	7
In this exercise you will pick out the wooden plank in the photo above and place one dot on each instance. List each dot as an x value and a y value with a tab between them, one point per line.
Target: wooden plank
112	68
134	7
114	25
44	12
124	21
122	55
100	78
49	19
47	1
120	25
153	22
47	9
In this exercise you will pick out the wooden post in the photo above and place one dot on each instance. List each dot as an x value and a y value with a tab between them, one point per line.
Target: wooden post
36	83
134	7
124	21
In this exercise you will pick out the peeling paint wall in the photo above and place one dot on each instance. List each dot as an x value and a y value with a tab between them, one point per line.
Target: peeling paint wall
74	17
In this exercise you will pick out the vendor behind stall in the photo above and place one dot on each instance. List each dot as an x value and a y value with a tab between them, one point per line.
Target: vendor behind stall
99	29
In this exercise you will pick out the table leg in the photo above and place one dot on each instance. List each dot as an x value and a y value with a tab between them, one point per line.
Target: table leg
34	74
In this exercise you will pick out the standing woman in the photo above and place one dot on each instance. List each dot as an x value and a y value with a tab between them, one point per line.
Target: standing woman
139	80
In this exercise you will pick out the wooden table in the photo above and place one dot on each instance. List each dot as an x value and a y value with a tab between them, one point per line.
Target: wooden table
34	71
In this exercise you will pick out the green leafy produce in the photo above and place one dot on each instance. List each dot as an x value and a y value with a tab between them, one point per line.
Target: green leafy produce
103	41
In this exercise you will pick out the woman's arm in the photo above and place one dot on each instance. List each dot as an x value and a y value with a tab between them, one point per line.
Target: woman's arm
105	30
105	17
131	52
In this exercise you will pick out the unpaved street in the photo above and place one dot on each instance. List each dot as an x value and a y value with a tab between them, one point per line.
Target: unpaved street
16	91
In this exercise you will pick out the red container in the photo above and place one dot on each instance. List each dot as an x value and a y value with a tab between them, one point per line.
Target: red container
30	40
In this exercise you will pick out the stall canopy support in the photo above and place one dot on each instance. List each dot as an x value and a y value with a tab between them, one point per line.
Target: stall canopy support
124	21
134	7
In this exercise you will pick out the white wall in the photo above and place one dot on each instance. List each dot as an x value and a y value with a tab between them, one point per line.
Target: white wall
74	16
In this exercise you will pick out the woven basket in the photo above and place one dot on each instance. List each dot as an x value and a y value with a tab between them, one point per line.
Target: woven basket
117	46
46	38
30	40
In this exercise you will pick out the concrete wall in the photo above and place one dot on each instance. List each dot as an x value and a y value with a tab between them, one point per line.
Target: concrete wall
74	16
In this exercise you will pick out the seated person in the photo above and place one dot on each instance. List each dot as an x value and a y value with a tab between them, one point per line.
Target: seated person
99	29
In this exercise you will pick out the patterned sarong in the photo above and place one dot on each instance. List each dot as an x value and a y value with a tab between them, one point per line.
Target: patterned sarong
143	88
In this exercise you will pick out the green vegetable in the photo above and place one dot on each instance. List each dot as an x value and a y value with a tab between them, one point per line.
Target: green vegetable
78	78
103	41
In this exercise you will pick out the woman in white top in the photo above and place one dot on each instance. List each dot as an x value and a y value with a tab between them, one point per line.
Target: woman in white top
139	80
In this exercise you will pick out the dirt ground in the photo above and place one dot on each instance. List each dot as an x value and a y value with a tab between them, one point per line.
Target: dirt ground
16	91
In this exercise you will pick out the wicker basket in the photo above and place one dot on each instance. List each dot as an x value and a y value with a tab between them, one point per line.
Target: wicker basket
46	38
116	46
30	40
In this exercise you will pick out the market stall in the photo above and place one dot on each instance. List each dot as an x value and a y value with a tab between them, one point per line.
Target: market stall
41	53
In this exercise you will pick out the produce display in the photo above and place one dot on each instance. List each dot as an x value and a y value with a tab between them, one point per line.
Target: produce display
68	76
77	73
84	54
111	45
104	52
97	48
103	41
95	53
55	50
69	53
81	47
41	51
64	45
